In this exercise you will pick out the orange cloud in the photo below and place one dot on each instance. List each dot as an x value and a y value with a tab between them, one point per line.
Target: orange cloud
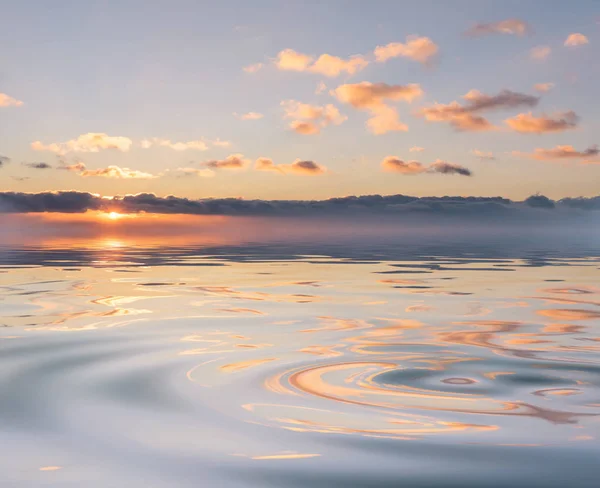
465	116
176	146
116	172
509	26
202	172
309	168
527	123
540	53
253	68
325	64
6	101
233	161
489	156
543	87
373	97
576	39
309	119
421	49
249	116
90	142
394	164
417	149
562	152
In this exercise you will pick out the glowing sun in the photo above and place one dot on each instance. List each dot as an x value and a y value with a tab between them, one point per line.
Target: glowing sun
113	215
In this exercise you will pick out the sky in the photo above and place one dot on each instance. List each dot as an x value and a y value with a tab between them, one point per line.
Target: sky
300	100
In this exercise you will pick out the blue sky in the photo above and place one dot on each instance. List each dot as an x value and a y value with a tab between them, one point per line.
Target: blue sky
174	71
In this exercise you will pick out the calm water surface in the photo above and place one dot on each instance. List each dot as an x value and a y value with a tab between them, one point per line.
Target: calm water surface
276	366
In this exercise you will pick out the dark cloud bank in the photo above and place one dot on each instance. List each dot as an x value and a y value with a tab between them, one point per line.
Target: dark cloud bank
537	207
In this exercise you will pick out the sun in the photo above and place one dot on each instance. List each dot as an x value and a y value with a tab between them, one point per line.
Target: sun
113	215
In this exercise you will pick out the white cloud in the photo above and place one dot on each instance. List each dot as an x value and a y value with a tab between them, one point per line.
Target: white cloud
90	142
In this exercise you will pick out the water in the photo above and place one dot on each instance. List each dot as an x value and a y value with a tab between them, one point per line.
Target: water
289	366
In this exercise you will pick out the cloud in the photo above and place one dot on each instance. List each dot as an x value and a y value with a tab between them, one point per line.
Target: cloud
309	168
117	172
539	201
543	87
527	123
416	149
202	172
373	97
576	39
394	164
6	101
309	119
447	168
540	53
562	152
509	26
321	87
325	64
483	156
253	68
465	117
38	165
233	161
176	146
90	142
249	116
220	143
421	49
77	167
4	160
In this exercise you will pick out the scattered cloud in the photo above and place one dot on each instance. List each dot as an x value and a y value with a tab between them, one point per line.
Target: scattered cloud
117	172
309	168
309	119
233	161
321	88
373	97
465	117
417	149
253	68
4	160
220	143
540	53
38	165
543	87
77	167
90	142
177	146
394	164
325	64
249	116
576	39
527	123
202	172
421	49
561	152
6	101
447	168
515	27
482	155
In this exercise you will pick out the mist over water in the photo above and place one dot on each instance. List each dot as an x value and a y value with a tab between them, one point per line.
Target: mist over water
408	360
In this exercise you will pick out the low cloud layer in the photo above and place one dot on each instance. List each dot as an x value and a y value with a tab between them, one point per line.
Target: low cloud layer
373	205
563	152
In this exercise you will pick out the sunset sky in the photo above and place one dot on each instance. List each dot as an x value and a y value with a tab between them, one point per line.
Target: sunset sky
300	100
